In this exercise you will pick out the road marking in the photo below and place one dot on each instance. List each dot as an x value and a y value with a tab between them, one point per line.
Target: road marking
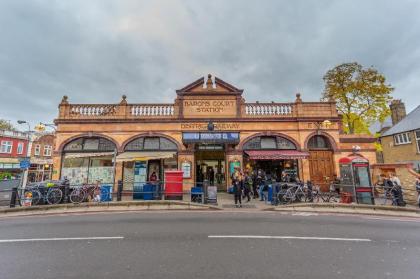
290	237
60	239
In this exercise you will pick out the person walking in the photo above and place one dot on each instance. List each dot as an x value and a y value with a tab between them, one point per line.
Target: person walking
254	185
247	186
237	187
418	190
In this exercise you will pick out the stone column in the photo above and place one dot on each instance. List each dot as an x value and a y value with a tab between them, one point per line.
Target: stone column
118	174
56	167
304	171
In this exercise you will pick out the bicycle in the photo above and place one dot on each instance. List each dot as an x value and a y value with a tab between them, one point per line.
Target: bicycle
292	194
82	193
52	196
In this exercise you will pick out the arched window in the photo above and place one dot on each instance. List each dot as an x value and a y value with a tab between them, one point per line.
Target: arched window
319	142
269	142
90	144
151	143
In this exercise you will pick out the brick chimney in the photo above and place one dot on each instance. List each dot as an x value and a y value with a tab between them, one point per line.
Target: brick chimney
397	111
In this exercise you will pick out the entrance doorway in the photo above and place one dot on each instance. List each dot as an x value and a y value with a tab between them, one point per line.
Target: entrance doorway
211	165
321	162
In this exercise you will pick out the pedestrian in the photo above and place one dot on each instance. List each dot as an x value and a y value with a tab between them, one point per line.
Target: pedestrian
237	187
247	186
395	179
418	190
153	178
254	185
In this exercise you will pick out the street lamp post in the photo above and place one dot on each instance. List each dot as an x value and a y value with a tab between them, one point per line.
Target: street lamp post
25	173
42	126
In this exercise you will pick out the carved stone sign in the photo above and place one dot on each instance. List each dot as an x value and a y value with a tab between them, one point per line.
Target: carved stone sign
217	126
214	108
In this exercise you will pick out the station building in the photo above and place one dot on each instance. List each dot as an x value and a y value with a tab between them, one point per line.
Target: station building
208	131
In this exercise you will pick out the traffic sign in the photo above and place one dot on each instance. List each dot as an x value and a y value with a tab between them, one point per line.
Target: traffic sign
24	164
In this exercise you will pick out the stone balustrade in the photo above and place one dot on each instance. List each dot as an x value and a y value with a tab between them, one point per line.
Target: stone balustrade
92	111
268	109
154	110
123	110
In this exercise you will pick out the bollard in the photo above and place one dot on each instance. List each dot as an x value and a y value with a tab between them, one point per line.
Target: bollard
66	193
13	197
119	190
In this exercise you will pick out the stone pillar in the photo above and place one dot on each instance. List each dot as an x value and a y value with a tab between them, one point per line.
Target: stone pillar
56	167
304	171
187	157
118	175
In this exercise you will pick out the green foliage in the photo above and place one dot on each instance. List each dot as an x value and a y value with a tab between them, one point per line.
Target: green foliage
362	95
5	125
5	175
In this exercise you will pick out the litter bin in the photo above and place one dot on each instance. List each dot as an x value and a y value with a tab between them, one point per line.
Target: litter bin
173	185
149	190
106	192
270	193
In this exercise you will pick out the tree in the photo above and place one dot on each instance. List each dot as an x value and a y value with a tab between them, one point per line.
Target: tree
5	125
362	95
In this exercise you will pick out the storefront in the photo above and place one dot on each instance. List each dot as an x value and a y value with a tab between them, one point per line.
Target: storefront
275	156
145	159
88	160
40	170
206	132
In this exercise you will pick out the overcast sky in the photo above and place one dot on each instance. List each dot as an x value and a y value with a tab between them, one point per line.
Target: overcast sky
95	51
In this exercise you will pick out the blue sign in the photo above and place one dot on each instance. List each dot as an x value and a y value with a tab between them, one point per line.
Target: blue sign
219	137
24	164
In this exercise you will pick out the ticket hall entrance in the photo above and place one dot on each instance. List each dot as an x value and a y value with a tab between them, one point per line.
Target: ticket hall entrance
210	165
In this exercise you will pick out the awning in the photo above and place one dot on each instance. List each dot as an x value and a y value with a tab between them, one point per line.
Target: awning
276	154
143	156
85	155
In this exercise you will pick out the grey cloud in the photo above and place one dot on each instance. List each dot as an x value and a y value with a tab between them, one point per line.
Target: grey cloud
95	51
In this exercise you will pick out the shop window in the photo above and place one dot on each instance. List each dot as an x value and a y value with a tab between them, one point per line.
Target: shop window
319	142
269	143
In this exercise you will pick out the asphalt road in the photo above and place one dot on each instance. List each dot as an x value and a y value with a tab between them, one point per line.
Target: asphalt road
208	245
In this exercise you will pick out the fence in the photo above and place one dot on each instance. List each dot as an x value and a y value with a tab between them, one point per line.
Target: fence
12	195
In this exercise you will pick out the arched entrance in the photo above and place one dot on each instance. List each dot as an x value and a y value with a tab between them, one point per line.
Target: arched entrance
146	158
274	156
88	160
321	162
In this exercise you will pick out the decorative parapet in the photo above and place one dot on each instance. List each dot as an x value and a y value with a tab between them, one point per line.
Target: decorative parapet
123	110
268	109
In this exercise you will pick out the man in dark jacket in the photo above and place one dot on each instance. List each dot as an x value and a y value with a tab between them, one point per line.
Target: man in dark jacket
237	187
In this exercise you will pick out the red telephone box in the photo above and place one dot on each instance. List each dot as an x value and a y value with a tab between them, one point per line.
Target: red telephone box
355	177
